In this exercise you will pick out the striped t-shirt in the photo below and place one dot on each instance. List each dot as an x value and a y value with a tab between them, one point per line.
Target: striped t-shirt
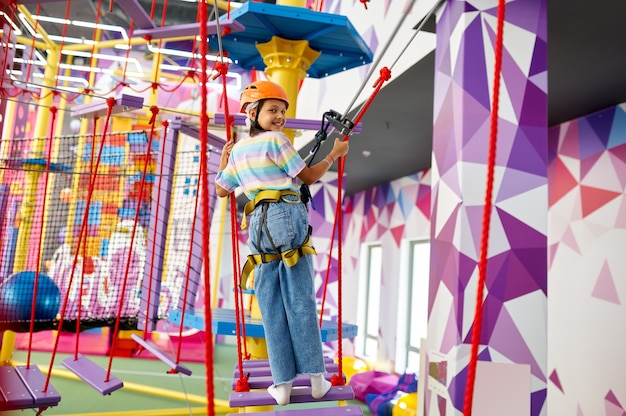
265	161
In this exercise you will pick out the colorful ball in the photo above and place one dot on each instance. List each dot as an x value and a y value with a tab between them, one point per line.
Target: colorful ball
352	366
17	293
406	405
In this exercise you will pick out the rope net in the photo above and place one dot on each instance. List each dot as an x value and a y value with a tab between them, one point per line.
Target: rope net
103	250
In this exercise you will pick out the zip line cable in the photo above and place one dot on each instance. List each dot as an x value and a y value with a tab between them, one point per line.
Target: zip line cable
374	64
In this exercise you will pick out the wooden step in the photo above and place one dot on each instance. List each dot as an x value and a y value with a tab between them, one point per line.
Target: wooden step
298	395
265	371
22	388
266	363
319	411
263	382
92	374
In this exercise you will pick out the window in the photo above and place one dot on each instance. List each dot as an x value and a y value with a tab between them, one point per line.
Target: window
369	300
413	304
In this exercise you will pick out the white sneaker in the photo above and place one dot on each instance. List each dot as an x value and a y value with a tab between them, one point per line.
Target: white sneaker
319	386
280	393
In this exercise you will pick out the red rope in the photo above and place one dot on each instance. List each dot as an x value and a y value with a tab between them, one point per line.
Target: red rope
330	257
484	242
153	10
154	231
221	68
337	379
82	234
204	124
240	330
242	352
183	310
53	112
142	188
84	248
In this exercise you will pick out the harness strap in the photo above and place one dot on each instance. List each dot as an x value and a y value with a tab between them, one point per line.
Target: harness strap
268	195
290	257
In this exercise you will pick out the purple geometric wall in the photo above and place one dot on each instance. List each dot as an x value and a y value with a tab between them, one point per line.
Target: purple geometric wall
514	322
386	215
587	312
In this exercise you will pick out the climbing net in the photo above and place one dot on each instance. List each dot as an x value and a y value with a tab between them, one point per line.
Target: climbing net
102	258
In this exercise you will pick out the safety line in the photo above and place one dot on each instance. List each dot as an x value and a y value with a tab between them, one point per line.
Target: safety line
487	208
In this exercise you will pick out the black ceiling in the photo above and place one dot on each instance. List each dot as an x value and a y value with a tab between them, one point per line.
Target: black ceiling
586	73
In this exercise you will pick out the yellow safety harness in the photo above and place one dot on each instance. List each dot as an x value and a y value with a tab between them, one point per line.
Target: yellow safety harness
290	257
269	195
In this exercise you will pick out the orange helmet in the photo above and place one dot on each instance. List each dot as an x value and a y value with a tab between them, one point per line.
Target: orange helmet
261	90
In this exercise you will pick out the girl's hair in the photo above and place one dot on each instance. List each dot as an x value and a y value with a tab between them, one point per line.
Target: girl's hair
255	127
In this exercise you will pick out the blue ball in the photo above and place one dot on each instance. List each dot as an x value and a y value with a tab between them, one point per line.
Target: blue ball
16	297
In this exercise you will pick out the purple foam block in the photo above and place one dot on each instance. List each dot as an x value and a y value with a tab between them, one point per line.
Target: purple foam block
161	355
92	374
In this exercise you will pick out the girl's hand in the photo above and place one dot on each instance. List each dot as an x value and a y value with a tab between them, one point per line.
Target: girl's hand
340	148
225	154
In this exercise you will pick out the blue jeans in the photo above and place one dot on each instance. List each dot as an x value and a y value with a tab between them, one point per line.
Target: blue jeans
286	295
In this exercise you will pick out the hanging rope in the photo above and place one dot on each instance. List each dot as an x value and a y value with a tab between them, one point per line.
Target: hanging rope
53	112
204	124
4	60
330	258
81	236
484	241
337	379
187	274
221	68
154	230
142	189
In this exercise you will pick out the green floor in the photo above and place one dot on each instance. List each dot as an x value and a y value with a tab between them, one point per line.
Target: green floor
143	379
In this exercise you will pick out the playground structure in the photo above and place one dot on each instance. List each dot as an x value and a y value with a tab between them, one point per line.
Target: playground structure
102	227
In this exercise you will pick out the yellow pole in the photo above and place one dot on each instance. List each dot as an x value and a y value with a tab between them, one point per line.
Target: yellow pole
295	3
40	31
33	171
7	135
7	347
156	73
286	64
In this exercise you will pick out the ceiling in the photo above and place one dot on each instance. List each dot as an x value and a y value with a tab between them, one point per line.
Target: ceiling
586	73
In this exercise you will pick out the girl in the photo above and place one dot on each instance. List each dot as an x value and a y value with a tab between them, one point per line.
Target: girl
266	165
